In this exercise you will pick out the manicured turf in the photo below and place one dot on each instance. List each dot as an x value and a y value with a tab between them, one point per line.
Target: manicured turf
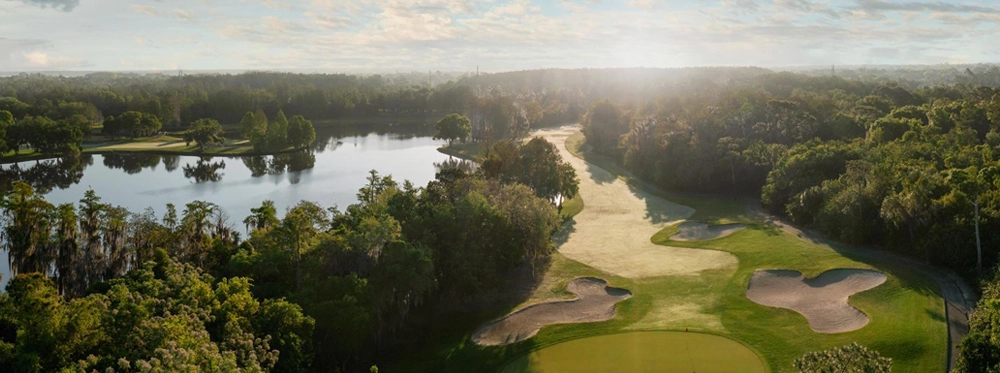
160	145
641	352
907	312
469	151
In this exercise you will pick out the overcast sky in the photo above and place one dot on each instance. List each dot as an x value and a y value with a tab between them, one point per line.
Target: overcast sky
497	35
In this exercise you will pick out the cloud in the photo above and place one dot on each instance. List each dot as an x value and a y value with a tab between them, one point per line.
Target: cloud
330	22
184	15
807	6
917	6
64	5
642	4
273	4
44	61
268	30
145	9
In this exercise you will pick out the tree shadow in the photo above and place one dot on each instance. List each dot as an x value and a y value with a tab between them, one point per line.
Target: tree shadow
658	209
561	236
600	175
937	316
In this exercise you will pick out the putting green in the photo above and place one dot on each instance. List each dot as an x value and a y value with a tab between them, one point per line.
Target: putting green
642	352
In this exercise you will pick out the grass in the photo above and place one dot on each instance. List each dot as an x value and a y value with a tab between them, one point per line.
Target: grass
161	145
907	312
642	352
571	207
468	151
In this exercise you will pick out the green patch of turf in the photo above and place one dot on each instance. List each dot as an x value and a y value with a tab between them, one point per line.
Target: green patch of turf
469	151
906	313
571	207
642	352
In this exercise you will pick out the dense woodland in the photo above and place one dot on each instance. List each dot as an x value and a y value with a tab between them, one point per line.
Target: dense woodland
54	114
102	288
902	164
873	164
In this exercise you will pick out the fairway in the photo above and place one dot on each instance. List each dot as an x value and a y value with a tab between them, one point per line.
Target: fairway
642	352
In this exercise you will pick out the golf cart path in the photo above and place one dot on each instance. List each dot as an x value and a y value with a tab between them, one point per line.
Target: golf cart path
959	298
613	232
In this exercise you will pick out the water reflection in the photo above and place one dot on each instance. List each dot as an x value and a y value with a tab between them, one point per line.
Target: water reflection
131	163
45	175
330	174
278	164
205	170
452	162
171	162
361	147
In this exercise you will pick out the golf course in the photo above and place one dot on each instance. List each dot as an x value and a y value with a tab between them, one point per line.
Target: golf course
687	262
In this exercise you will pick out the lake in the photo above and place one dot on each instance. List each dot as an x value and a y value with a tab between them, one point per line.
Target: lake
330	173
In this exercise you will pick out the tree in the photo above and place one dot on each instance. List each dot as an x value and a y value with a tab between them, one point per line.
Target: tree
247	125
604	124
253	127
127	124
6	121
263	217
47	136
852	358
27	222
453	127
300	132
979	351
301	224
205	132
149	126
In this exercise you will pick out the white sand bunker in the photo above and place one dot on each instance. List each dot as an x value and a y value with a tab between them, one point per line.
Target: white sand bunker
822	300
595	302
695	231
613	230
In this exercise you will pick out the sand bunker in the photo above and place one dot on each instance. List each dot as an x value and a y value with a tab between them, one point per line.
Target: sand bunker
822	300
613	231
595	302
694	231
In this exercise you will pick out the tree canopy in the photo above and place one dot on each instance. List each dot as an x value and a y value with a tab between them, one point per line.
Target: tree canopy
453	127
205	132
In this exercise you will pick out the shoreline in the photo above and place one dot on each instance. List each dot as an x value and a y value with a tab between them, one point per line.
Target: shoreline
238	149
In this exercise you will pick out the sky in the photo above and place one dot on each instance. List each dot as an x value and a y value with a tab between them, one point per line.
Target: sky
495	35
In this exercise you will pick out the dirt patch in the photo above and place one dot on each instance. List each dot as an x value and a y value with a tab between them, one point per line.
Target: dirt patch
695	231
822	300
595	302
613	231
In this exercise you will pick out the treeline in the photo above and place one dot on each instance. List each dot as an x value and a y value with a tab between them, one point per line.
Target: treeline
101	288
980	350
277	135
46	136
862	162
916	76
504	105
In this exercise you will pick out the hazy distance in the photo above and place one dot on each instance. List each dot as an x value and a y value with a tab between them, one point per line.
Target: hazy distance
383	36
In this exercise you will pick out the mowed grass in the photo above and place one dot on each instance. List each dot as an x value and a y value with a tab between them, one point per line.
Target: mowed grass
906	313
160	145
642	352
468	151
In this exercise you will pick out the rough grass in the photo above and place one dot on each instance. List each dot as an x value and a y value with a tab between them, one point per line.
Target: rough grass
468	151
907	312
571	207
162	145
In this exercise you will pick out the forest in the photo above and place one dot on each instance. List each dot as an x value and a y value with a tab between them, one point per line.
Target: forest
315	289
872	158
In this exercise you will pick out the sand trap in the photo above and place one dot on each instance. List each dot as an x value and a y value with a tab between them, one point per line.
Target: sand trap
822	300
613	231
694	231
595	302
